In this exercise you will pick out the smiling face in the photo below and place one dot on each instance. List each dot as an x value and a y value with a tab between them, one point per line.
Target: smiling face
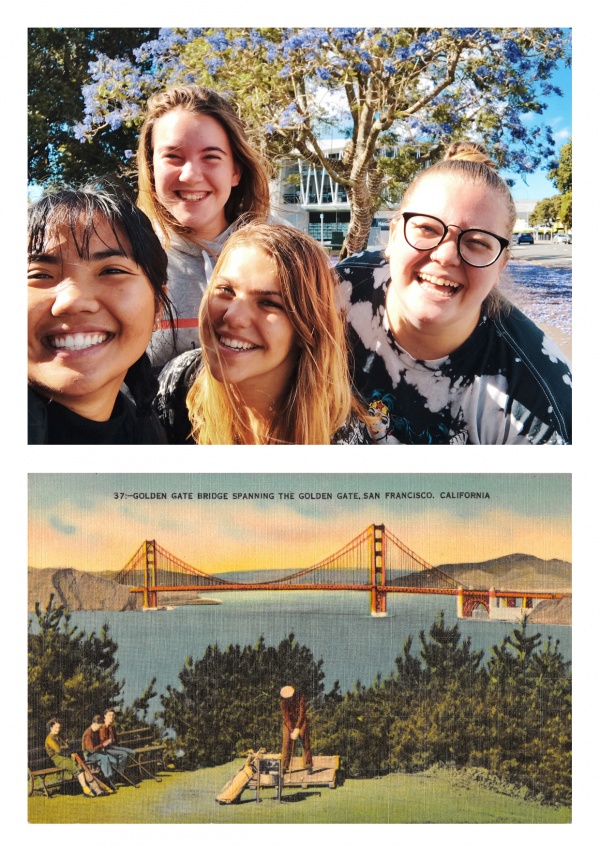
257	349
434	299
89	320
194	170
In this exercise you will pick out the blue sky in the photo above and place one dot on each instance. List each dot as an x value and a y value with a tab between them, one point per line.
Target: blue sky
93	521
558	115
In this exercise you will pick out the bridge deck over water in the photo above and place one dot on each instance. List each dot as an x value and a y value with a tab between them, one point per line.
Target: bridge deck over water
375	561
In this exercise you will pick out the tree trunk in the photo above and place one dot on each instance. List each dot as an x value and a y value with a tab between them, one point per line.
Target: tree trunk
363	206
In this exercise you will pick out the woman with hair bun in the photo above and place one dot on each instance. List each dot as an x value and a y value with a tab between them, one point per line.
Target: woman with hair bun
429	330
273	366
197	176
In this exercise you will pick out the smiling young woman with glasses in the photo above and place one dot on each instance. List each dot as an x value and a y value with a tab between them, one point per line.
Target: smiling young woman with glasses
457	363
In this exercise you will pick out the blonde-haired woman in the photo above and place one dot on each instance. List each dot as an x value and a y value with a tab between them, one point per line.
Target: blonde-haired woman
451	360
197	175
273	365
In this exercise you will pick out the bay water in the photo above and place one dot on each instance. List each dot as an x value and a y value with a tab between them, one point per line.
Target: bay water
336	626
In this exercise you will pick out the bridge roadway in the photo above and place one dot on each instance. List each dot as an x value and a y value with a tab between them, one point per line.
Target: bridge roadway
505	594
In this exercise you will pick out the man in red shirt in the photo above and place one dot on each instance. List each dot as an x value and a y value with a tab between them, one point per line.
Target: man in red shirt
95	752
295	724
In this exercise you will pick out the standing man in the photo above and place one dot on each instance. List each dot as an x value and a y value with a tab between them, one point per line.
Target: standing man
94	751
108	735
295	724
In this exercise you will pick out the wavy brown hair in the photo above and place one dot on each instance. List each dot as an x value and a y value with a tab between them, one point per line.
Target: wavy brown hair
250	197
319	399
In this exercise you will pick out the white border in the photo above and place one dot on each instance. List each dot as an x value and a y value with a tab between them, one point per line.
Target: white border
581	459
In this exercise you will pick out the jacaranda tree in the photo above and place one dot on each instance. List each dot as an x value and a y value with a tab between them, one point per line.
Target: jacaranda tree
57	67
413	89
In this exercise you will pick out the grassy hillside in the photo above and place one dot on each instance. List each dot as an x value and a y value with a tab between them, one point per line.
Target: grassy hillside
437	796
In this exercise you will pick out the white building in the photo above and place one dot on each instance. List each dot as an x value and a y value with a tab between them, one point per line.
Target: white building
307	197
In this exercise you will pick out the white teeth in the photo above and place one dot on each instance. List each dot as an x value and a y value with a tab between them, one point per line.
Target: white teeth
435	280
237	345
78	341
199	196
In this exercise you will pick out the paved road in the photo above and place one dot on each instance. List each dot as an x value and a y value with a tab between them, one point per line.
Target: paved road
542	252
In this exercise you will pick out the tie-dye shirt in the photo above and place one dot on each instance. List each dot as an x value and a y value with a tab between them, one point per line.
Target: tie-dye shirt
508	383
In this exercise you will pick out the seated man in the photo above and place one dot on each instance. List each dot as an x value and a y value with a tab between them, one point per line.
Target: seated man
108	736
94	751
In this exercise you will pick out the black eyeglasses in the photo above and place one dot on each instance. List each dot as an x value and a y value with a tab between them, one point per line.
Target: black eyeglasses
475	246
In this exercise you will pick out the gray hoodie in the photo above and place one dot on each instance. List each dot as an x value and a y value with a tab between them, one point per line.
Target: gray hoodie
189	271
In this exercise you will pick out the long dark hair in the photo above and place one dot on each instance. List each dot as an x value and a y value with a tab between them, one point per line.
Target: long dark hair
78	210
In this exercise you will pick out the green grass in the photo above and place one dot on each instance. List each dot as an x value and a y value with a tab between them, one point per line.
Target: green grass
434	797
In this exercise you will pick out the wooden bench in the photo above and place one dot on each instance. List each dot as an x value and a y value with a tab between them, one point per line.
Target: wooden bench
149	753
42	774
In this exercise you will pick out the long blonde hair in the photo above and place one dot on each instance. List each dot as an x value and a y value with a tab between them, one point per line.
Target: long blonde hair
250	197
318	400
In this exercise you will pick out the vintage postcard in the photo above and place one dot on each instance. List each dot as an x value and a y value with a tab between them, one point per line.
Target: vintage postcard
287	648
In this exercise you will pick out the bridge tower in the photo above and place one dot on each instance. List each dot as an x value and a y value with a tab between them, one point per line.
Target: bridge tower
150	599
377	567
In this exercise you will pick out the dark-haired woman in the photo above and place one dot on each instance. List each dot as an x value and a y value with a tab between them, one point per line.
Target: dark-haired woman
457	363
56	748
96	285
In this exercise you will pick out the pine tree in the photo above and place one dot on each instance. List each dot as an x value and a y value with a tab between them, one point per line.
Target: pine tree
71	674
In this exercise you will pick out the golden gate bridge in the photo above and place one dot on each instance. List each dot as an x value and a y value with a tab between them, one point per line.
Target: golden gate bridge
375	562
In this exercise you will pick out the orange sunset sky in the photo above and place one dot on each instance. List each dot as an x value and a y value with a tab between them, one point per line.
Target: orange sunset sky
93	521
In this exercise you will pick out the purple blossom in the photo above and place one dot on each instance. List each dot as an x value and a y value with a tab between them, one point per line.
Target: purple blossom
218	41
272	52
323	73
464	32
129	154
512	51
256	39
362	67
295	42
213	63
345	34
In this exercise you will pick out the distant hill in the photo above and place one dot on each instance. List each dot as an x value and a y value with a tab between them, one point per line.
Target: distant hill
555	612
517	571
78	591
82	591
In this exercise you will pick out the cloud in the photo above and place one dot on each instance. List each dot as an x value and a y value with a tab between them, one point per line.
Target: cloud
63	528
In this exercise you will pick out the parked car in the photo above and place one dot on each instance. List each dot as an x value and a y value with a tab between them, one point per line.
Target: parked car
525	238
562	238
